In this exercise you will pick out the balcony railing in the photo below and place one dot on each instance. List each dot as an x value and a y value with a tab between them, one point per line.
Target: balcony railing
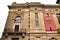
23	30
12	30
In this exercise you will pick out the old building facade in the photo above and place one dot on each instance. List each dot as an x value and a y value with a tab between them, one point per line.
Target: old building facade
32	21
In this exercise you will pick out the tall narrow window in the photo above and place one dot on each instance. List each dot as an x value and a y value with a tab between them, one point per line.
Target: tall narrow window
36	19
15	38
16	28
58	17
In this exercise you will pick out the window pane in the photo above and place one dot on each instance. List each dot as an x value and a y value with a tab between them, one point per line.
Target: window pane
36	19
16	28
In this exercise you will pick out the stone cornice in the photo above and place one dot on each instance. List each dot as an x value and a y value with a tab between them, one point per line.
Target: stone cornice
32	4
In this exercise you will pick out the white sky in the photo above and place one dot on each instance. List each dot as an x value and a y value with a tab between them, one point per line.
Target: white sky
4	9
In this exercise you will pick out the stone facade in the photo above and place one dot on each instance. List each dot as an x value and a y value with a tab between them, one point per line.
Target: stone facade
26	22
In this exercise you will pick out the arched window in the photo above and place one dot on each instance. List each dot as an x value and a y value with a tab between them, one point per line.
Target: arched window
53	39
17	19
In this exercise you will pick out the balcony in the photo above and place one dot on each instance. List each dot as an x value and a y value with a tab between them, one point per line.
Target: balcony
9	30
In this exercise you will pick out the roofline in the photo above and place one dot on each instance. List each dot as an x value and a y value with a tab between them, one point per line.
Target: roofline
31	4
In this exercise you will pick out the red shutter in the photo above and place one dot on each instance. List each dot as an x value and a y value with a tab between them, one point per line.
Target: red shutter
53	26
49	26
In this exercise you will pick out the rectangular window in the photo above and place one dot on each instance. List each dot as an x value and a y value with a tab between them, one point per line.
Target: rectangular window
58	17
36	19
15	38
16	28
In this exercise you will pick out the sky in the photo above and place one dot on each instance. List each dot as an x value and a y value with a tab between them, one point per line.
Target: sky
4	9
